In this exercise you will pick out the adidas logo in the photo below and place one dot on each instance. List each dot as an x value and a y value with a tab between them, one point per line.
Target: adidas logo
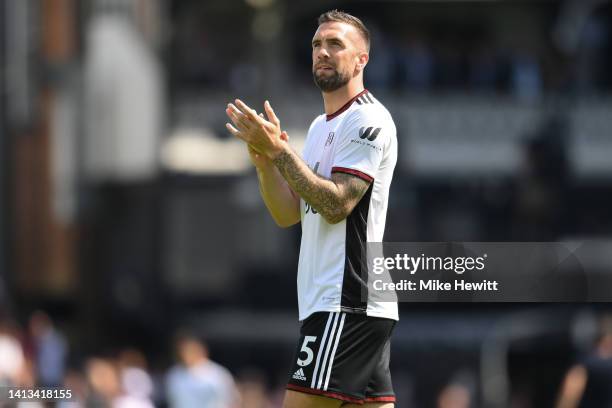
299	375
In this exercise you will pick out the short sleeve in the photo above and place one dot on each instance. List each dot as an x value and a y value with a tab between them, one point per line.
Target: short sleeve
362	144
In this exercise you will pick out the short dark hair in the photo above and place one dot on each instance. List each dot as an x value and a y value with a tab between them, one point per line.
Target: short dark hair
342	17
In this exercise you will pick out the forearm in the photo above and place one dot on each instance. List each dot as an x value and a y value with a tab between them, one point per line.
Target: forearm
573	388
334	199
282	203
322	194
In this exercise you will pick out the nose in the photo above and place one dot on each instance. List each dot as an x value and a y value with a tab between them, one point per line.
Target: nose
322	53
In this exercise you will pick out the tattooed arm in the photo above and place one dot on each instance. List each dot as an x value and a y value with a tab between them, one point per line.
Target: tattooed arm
334	199
282	203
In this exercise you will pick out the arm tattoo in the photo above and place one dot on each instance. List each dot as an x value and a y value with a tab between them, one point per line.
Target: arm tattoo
334	199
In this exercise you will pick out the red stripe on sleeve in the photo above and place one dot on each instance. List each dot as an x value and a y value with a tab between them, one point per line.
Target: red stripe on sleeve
354	172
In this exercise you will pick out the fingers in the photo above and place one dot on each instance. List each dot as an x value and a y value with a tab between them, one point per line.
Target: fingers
245	120
250	113
271	115
234	131
239	119
231	129
233	116
240	135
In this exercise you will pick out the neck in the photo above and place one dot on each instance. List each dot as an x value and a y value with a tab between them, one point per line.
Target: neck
336	99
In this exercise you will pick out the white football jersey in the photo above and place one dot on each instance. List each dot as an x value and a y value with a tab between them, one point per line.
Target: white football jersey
359	139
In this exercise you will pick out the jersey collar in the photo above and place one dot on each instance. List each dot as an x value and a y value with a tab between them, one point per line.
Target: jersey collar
346	105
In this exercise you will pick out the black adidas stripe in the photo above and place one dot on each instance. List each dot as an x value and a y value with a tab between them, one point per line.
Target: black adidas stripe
365	99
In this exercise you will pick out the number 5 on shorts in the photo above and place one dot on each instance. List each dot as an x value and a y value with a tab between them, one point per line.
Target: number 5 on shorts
307	350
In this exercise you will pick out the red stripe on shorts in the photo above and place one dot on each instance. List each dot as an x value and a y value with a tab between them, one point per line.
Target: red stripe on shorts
389	398
334	395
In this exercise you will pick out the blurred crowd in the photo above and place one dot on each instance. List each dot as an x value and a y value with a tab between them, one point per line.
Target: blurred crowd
416	57
40	355
418	64
469	58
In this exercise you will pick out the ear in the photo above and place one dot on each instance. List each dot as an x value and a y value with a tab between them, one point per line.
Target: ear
362	61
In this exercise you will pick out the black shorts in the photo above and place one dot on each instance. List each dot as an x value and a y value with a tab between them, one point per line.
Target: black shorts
344	356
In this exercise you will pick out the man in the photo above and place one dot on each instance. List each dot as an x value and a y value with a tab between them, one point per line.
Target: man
198	381
587	383
339	192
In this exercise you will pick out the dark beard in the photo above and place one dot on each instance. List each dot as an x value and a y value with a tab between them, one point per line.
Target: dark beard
332	83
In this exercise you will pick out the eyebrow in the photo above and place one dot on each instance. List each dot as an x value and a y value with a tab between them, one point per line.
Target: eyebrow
331	39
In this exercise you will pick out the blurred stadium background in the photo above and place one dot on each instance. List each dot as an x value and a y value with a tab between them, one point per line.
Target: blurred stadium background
127	213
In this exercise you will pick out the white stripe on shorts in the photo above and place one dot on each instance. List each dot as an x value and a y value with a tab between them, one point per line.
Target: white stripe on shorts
333	354
325	332
327	350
